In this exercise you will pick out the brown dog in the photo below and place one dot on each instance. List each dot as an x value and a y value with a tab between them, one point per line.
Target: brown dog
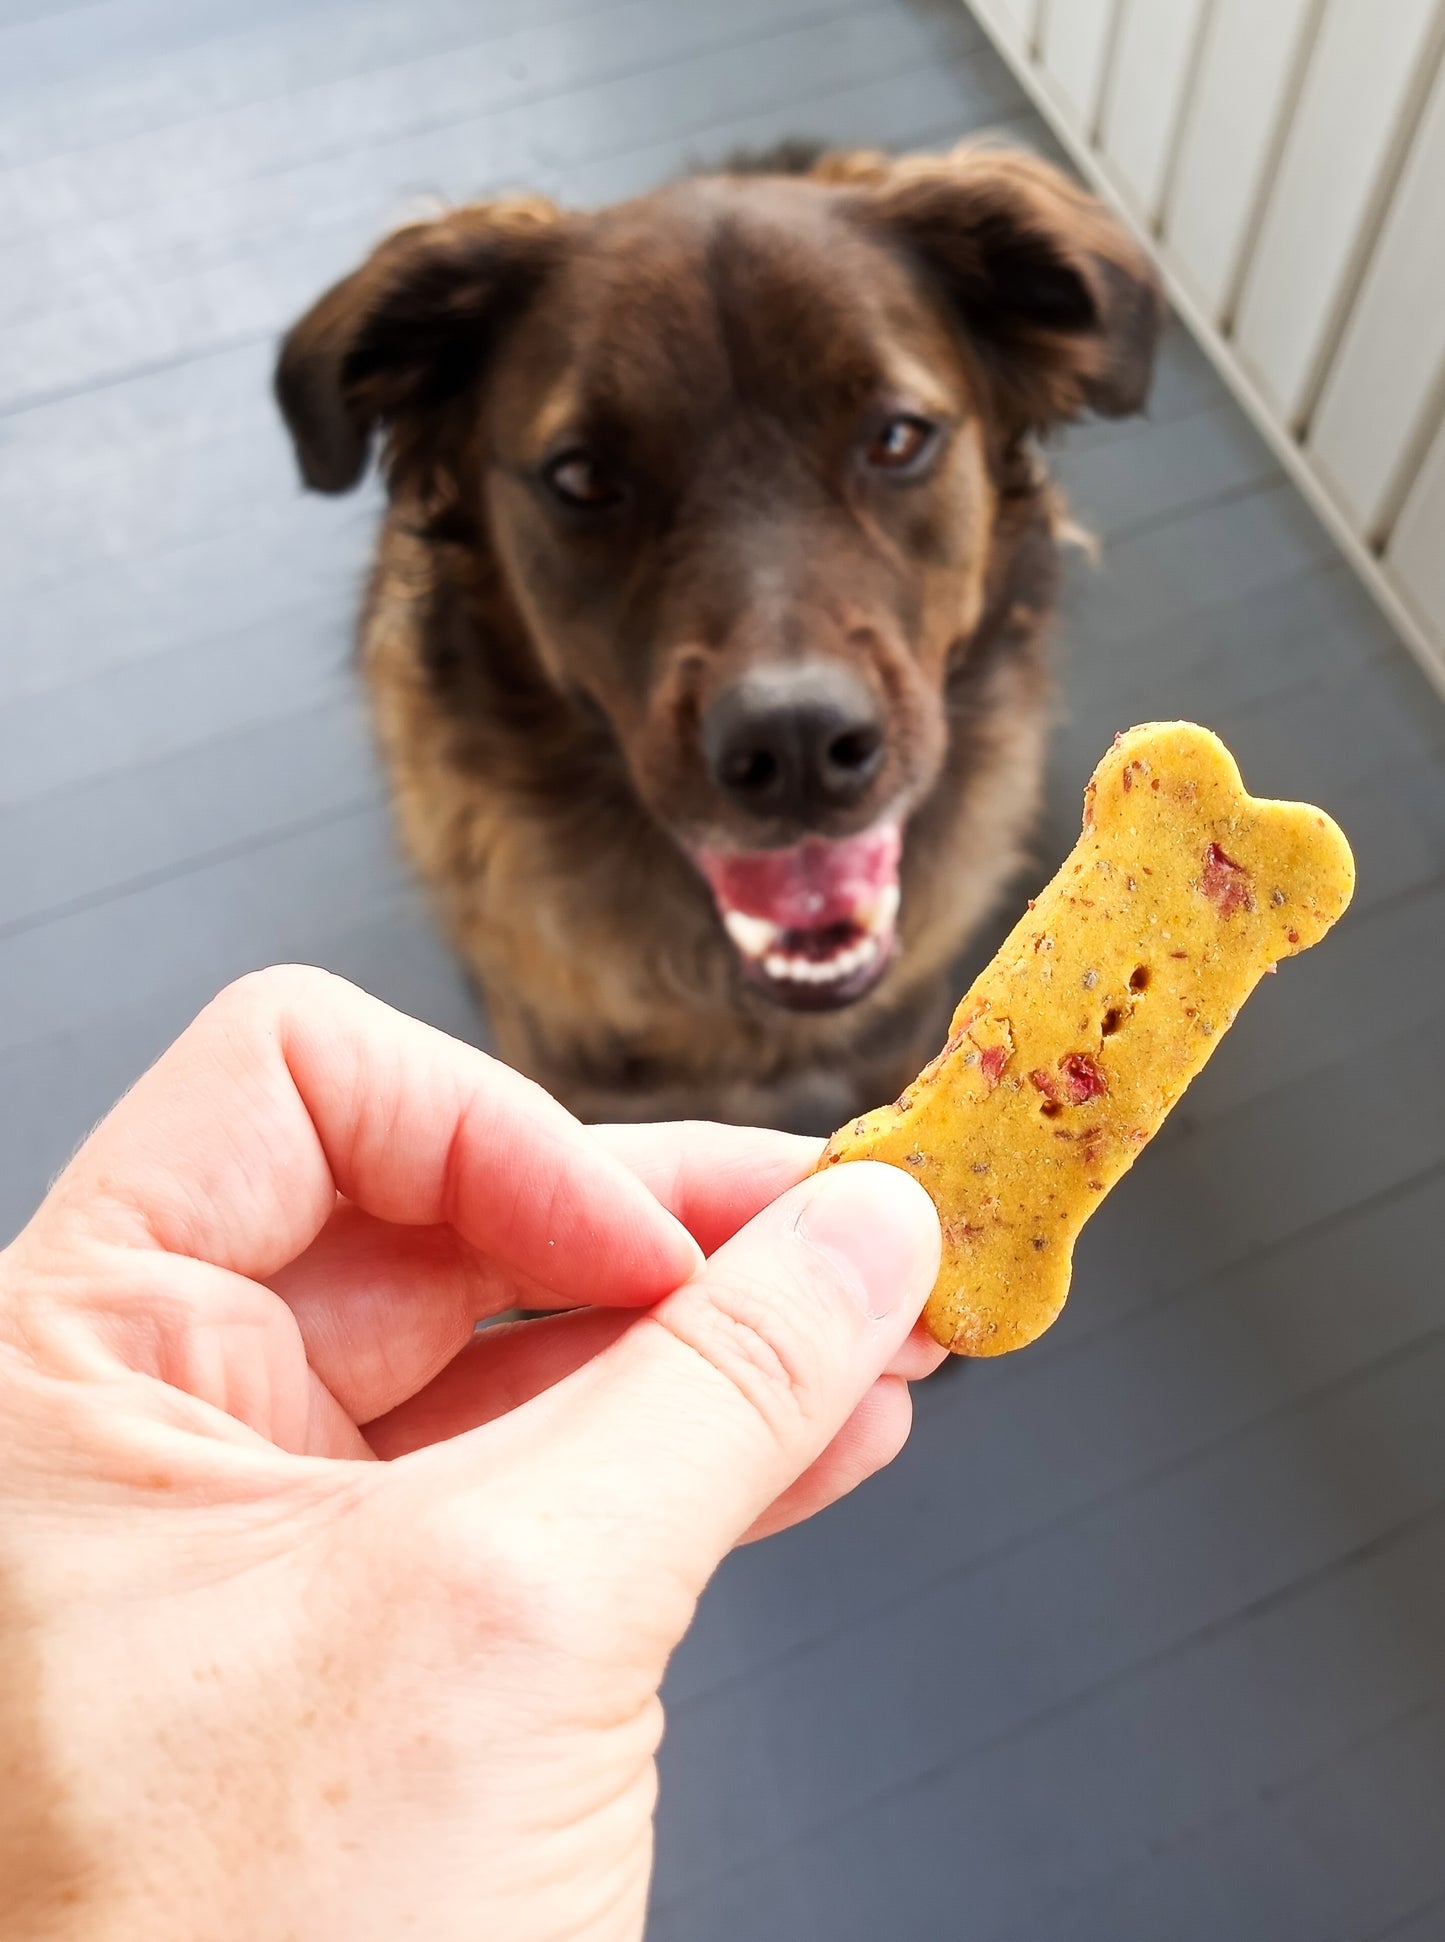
704	637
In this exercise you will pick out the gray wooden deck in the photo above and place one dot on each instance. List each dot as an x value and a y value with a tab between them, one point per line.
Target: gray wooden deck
1143	1640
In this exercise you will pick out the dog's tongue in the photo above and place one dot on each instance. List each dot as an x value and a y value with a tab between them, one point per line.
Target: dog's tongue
815	925
814	884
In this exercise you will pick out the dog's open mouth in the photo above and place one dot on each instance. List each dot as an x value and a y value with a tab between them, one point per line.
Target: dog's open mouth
814	925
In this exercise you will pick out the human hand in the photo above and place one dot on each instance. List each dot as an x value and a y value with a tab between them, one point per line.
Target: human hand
254	1683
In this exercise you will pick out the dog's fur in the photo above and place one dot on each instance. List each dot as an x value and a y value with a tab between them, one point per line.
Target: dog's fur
537	681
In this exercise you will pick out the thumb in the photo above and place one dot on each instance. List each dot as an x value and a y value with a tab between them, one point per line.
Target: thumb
676	1439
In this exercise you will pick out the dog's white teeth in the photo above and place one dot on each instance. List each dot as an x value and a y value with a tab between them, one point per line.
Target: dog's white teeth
765	944
752	935
879	916
801	970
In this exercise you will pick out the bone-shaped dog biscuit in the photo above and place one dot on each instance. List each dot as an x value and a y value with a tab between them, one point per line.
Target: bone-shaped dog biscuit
1105	1000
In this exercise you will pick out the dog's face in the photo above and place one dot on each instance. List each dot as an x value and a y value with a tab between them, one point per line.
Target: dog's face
736	449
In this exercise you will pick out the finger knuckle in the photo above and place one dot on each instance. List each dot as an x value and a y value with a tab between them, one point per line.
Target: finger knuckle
277	988
765	1345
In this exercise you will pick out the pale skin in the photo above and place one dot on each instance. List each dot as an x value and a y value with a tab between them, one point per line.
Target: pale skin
257	1685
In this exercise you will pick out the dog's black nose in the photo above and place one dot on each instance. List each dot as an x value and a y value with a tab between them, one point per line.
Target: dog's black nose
794	740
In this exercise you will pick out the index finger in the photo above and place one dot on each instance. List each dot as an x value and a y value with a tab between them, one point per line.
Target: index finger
293	1087
713	1177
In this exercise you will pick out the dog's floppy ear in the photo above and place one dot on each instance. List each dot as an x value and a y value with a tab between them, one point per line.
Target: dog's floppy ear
406	333
1062	305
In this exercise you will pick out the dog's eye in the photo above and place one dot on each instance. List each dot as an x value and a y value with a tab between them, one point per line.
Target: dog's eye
902	443
581	484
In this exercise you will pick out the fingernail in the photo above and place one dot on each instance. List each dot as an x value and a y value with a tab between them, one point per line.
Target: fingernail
880	1228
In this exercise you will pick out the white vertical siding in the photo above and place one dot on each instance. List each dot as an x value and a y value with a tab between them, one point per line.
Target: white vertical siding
1012	22
1383	393
1153	56
1074	51
1286	161
1416	559
1345	129
1235	121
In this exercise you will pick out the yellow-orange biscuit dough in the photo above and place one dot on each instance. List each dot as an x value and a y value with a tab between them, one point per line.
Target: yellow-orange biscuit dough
1105	1000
